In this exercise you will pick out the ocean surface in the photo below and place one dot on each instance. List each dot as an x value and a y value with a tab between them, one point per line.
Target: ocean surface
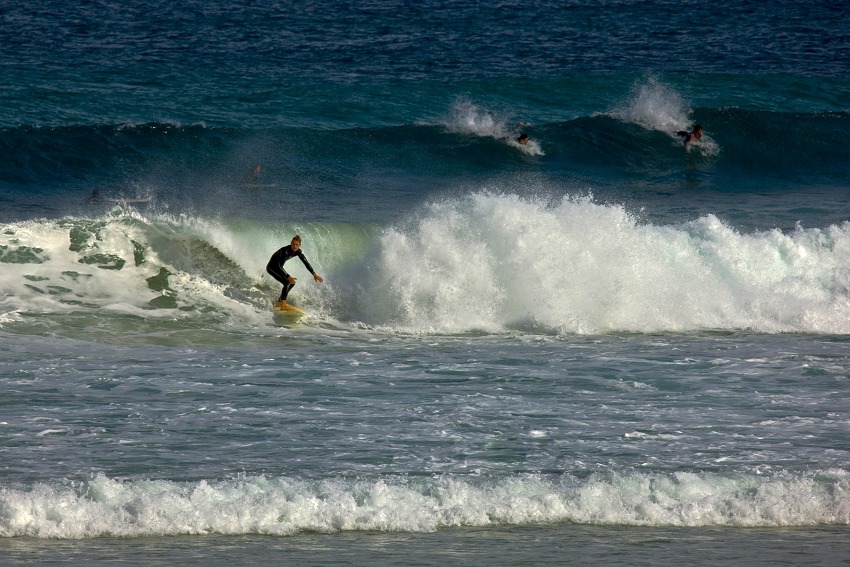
601	347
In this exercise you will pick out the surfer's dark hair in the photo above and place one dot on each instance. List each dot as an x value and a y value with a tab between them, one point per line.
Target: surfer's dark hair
296	238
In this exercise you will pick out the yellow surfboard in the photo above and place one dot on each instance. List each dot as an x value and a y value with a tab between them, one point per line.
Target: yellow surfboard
287	314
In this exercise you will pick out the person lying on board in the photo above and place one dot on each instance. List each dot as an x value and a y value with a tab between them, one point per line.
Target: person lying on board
693	136
275	268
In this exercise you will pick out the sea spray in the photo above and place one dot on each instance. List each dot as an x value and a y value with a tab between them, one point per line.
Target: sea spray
466	117
656	106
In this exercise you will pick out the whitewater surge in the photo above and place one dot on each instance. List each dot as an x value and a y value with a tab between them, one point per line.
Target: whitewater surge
486	262
105	507
492	262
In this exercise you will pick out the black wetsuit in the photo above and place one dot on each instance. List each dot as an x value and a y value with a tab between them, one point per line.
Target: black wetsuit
275	267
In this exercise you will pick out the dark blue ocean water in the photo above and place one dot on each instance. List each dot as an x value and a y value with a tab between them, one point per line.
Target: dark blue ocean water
598	347
391	102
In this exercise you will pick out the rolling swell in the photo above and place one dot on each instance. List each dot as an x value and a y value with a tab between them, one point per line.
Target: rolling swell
806	146
39	156
810	147
762	162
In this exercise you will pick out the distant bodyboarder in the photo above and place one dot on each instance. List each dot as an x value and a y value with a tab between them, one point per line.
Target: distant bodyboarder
253	175
275	268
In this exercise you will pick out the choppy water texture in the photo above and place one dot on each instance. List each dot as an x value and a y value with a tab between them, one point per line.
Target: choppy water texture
600	347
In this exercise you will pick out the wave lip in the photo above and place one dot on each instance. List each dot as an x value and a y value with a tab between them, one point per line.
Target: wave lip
105	507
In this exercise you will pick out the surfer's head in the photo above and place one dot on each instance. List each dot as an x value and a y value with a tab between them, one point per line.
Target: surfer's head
296	242
523	139
697	130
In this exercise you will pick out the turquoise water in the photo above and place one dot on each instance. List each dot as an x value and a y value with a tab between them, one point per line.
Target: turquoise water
599	347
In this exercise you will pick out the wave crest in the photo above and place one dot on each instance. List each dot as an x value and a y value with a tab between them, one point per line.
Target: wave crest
105	507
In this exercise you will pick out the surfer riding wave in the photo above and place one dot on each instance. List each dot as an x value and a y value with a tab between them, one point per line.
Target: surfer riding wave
275	268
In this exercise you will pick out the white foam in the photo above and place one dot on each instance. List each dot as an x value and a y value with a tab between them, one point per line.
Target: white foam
59	274
493	262
88	265
281	506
